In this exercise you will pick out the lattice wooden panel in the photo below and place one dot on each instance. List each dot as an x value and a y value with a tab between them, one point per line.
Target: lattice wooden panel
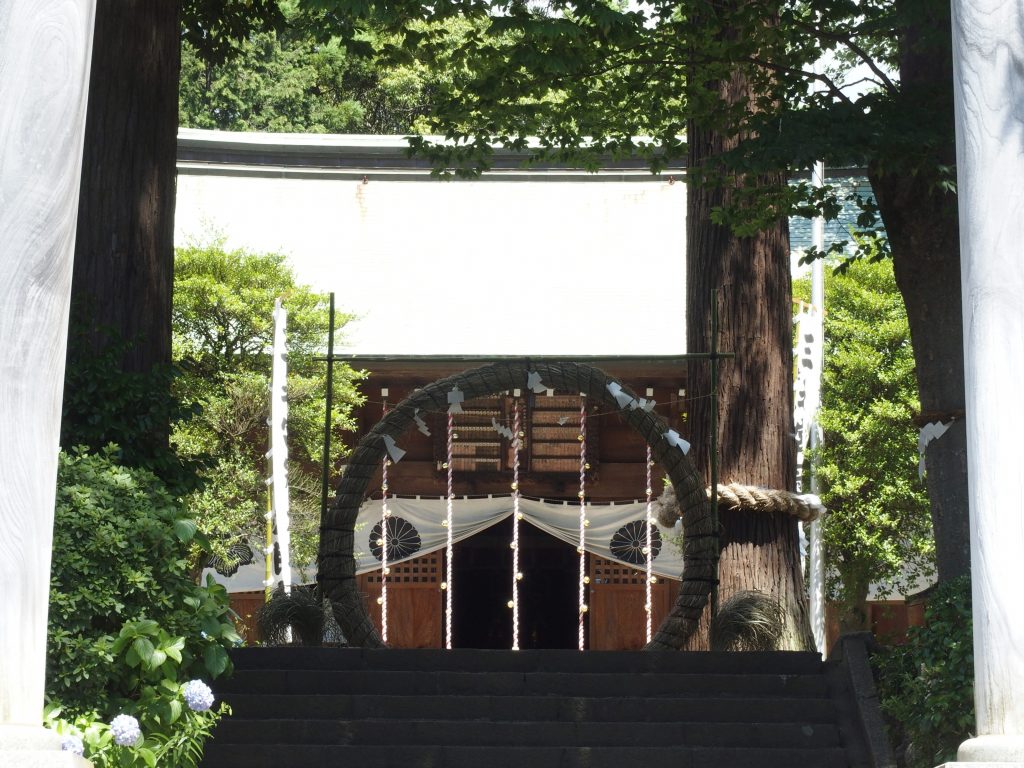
425	571
604	571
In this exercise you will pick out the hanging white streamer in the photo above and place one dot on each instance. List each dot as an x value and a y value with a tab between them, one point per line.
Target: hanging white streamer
450	544
676	441
421	425
583	521
534	383
501	429
394	452
455	400
649	548
929	432
623	399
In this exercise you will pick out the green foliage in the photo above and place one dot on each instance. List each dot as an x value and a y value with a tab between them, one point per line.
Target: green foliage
105	405
122	556
149	662
128	625
299	78
878	529
927	685
223	328
216	28
585	78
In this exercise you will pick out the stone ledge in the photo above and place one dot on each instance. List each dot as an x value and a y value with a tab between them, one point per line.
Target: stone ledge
41	759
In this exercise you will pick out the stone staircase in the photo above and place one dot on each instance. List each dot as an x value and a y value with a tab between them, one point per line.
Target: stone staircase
314	707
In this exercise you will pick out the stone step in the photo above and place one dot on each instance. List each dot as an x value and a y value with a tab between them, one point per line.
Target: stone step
226	755
542	708
479	660
433	682
390	733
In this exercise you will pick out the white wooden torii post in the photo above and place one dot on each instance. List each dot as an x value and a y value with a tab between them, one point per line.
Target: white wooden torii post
988	56
45	53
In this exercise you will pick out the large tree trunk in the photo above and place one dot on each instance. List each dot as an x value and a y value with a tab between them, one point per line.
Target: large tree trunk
124	251
755	432
922	224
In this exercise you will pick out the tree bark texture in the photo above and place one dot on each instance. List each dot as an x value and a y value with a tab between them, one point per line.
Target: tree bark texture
922	224
124	252
755	408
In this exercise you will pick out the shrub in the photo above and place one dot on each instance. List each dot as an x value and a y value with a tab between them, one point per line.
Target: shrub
128	626
927	685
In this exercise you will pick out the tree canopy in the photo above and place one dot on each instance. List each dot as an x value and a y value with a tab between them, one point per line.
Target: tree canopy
223	326
877	530
301	78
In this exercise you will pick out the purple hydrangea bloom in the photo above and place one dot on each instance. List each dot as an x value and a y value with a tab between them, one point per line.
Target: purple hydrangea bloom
126	730
198	695
73	744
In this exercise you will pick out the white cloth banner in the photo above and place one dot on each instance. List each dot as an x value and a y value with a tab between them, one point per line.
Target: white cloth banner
807	384
279	442
415	528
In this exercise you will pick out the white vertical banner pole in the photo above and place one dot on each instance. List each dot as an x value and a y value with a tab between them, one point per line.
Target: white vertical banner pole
45	56
278	441
817	544
988	41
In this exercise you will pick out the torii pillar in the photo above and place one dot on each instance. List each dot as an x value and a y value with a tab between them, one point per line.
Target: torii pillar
988	51
45	52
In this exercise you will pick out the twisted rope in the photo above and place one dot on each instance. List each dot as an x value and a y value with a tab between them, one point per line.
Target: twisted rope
747	498
516	515
449	548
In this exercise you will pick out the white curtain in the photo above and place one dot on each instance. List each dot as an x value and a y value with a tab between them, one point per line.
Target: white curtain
616	531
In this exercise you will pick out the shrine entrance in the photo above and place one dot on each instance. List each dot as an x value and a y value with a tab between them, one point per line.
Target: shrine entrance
547	595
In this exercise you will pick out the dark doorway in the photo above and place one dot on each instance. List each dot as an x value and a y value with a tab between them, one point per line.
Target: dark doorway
483	586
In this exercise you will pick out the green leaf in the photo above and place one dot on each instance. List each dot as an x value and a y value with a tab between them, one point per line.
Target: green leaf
143	648
216	660
147	755
185	530
211	626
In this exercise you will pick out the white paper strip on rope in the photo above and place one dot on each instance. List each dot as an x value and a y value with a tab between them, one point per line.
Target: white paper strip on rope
279	442
616	531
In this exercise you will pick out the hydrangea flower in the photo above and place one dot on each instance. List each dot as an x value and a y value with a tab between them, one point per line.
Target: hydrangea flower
126	730
198	695
73	744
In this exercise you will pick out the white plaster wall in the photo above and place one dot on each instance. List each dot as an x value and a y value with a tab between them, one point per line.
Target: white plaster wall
469	267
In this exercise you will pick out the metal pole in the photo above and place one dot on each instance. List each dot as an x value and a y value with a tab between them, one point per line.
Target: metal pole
714	442
326	465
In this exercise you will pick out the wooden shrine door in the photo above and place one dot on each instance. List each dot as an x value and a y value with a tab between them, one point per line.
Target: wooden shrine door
617	618
415	615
